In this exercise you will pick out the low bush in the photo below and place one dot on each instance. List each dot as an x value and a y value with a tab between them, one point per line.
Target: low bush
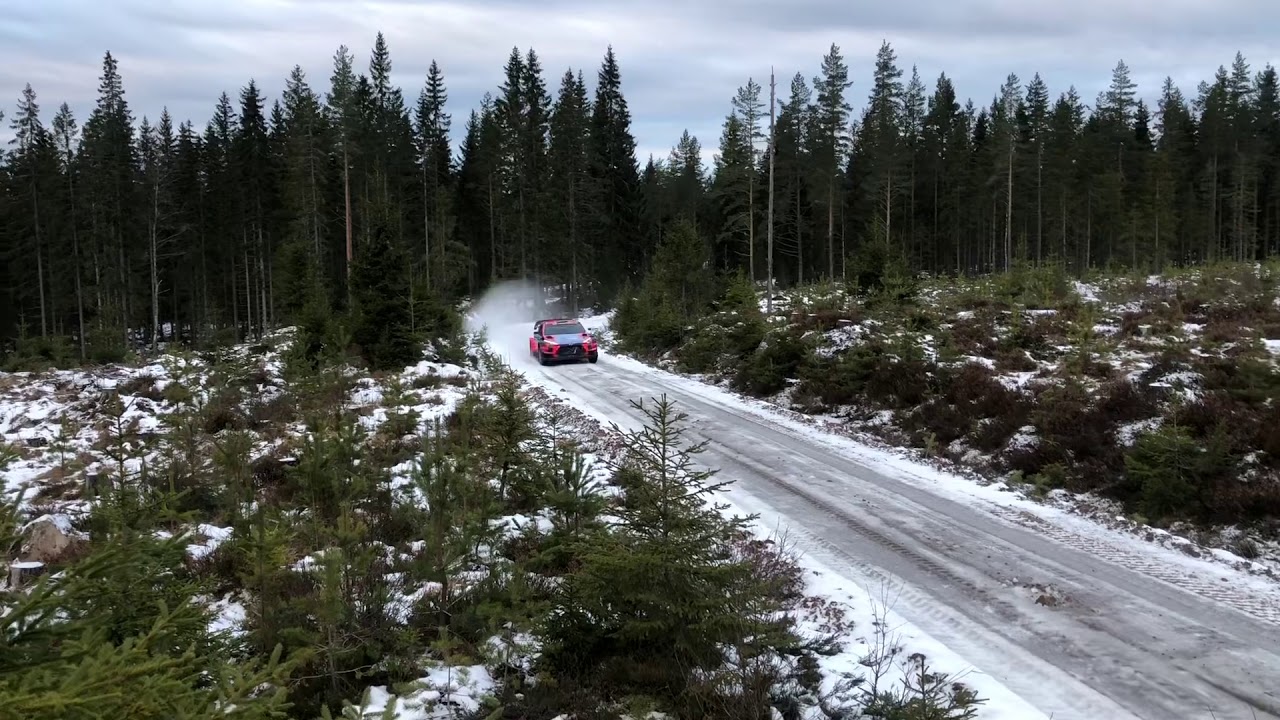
767	371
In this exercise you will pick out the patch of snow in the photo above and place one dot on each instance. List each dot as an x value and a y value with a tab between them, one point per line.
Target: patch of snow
877	627
1087	292
229	617
1127	435
1025	439
444	692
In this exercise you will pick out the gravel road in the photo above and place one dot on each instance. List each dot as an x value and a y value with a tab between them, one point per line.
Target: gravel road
1119	633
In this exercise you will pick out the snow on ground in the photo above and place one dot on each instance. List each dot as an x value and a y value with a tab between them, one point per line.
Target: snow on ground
1158	553
1132	350
443	693
878	629
997	497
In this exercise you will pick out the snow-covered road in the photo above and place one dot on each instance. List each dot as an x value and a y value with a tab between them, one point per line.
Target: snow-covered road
1123	630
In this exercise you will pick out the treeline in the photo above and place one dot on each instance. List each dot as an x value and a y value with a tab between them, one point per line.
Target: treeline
169	231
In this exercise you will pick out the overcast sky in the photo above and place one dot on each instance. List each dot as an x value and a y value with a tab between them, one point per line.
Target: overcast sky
681	60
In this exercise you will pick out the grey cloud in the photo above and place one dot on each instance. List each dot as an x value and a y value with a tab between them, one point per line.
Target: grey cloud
681	61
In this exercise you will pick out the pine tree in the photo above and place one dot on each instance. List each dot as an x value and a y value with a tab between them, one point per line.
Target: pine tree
344	118
748	109
33	165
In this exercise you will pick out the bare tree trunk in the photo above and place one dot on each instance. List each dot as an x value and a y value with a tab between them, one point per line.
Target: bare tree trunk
1008	214
315	201
1088	231
751	206
888	210
35	210
935	263
271	288
493	237
235	298
991	250
1214	219
97	283
799	243
126	315
155	268
205	312
263	311
910	245
573	243
772	153
346	191
248	288
524	237
1063	197
75	256
831	227
1158	258
1039	203
426	228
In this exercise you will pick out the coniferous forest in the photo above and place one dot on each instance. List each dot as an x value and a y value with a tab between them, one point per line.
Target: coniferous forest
179	228
254	523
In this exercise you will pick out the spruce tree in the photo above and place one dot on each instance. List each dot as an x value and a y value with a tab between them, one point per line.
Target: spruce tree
620	247
655	604
381	322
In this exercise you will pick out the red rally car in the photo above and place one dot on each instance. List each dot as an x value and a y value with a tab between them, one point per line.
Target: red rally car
562	340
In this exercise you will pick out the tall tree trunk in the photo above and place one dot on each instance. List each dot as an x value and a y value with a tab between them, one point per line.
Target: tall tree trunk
35	216
315	200
799	241
1063	198
493	237
831	227
263	312
1216	236
888	211
935	260
346	192
248	291
1158	257
75	258
573	244
769	226
155	265
235	297
1008	214
206	311
751	209
524	235
1088	231
910	245
1039	203
426	228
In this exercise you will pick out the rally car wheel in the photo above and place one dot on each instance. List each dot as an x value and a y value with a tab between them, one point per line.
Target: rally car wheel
542	359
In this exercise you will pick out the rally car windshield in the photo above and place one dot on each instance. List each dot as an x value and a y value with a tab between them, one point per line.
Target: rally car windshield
569	328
